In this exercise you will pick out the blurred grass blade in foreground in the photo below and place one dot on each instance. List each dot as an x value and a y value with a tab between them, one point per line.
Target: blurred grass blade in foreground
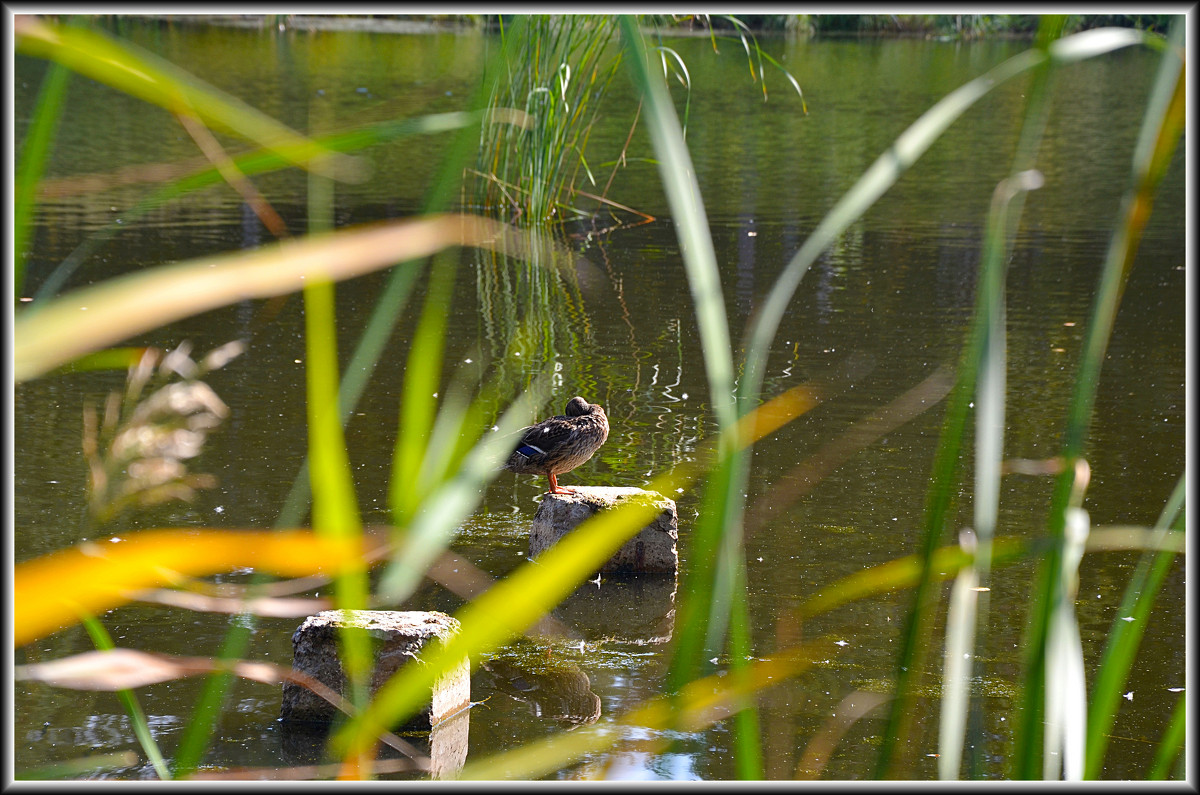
94	317
148	77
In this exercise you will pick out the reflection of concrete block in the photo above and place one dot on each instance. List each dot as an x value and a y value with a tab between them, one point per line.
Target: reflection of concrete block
397	638
554	690
448	745
637	610
650	551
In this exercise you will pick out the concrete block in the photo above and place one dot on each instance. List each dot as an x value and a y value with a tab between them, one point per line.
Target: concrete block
652	551
400	637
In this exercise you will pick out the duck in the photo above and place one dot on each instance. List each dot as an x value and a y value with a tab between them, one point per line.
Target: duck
559	444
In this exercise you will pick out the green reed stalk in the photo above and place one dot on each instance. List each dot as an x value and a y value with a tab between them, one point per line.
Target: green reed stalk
129	700
422	379
984	354
1172	745
982	371
31	164
884	173
356	376
335	506
713	598
1159	135
1125	635
207	713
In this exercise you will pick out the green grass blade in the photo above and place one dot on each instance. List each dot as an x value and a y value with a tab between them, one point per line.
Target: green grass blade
1159	135
442	511
207	713
150	78
357	375
31	164
877	180
1172	746
986	355
108	359
713	594
747	735
956	669
687	208
335	507
1066	684
695	239
137	718
1125	635
905	572
418	404
884	172
1037	108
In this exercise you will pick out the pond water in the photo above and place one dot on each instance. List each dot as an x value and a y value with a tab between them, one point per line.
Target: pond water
892	299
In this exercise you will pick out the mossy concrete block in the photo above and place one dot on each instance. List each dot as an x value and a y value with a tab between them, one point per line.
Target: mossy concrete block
651	551
399	637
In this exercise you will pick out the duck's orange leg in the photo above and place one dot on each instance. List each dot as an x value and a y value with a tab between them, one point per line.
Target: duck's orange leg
555	488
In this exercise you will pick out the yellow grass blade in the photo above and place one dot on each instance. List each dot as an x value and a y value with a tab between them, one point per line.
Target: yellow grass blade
51	592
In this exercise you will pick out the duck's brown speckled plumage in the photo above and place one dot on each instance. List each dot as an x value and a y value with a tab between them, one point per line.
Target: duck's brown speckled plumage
559	444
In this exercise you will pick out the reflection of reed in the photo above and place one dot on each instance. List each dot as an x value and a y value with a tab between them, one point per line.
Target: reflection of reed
661	424
535	308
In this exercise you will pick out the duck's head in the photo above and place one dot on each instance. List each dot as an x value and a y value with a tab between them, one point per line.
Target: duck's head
577	407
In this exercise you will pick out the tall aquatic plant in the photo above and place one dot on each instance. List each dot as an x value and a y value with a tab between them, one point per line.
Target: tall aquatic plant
1161	129
879	178
545	98
553	76
53	332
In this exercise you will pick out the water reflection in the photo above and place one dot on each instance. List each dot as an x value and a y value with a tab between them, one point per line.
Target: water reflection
636	610
555	691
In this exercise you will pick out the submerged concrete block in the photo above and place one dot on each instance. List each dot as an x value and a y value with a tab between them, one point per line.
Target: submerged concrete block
651	551
399	637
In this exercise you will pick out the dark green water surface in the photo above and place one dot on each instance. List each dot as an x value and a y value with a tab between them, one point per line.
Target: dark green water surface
893	297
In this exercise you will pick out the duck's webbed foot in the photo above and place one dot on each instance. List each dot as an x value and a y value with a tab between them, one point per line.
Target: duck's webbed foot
557	489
